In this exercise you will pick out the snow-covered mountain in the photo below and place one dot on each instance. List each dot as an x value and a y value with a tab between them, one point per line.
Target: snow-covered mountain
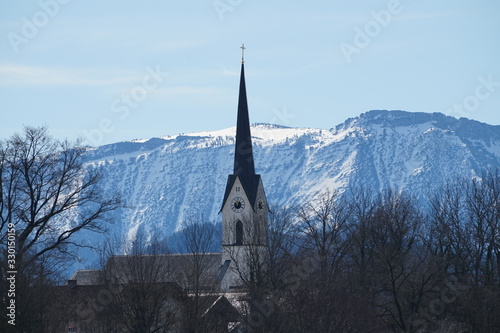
165	180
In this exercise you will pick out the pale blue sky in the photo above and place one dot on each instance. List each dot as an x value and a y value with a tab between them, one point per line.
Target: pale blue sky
96	69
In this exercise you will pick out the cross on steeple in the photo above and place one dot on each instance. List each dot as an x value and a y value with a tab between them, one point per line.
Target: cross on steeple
242	53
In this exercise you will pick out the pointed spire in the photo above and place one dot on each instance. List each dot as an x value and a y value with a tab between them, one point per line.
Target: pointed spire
243	153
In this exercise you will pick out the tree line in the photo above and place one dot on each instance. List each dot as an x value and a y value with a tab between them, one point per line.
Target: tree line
367	262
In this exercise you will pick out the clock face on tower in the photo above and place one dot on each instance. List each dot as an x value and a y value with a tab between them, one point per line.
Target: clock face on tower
237	205
260	205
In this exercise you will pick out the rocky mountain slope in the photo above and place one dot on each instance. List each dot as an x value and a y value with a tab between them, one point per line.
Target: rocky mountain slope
166	180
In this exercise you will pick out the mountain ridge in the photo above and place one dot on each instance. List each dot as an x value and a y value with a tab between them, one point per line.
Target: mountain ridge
164	181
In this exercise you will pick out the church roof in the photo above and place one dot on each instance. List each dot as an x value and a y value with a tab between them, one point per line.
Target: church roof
178	268
250	186
243	151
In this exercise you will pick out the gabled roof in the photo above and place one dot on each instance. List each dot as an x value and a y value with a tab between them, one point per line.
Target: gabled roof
250	188
218	305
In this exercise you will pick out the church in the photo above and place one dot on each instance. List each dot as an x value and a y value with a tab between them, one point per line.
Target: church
209	283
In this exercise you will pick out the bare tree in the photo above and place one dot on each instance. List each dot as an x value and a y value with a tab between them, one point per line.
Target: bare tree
404	274
48	194
363	204
449	238
198	240
324	224
483	222
465	219
320	298
46	197
282	241
145	299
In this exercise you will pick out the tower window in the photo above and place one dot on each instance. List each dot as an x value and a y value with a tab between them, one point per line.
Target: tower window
239	233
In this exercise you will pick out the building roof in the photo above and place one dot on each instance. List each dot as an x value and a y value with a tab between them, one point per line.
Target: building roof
179	268
218	305
158	268
87	277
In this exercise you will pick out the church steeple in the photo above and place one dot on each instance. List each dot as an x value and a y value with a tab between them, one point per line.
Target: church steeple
244	207
243	168
243	152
